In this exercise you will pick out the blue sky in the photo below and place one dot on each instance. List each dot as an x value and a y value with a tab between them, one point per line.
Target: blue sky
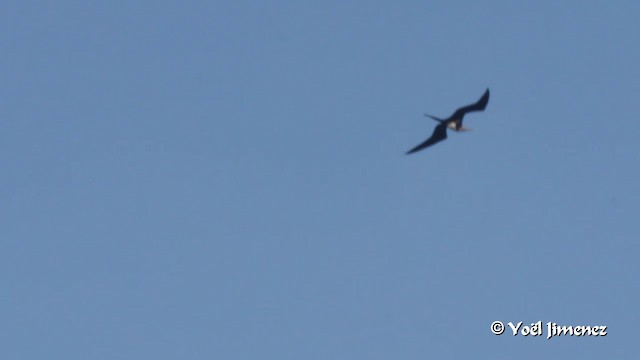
227	179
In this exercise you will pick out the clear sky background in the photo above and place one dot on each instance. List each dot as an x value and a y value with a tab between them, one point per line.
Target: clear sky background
227	179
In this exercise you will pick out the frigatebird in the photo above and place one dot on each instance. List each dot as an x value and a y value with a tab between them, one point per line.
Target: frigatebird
453	122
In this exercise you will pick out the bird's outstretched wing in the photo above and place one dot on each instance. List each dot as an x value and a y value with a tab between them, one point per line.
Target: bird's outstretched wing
480	105
439	134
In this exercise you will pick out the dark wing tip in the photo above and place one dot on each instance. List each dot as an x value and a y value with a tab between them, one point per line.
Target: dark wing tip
439	134
481	104
484	100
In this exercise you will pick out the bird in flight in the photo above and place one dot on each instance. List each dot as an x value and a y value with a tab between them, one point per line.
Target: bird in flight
453	122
